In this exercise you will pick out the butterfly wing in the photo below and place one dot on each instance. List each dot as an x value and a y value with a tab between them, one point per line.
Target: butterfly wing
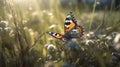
80	29
72	28
76	32
57	36
69	23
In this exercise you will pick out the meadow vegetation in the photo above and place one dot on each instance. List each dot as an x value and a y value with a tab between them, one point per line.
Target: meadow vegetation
23	42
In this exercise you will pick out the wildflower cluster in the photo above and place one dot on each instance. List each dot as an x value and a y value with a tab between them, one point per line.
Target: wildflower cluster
91	50
5	28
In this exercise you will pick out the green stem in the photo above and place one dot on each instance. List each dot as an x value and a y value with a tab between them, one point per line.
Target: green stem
91	20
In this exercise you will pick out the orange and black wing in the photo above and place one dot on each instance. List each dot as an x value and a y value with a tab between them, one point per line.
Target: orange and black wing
80	30
76	32
72	28
69	23
55	35
59	36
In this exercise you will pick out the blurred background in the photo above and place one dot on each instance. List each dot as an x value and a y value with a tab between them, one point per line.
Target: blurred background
23	23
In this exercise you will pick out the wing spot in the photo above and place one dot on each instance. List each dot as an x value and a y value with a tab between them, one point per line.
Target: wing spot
68	23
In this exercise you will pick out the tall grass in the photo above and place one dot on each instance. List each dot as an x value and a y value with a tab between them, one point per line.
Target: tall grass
93	11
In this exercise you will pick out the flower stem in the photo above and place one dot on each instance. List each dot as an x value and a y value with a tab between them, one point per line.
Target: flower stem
91	20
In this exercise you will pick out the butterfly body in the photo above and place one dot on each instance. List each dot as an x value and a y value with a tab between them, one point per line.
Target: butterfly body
72	29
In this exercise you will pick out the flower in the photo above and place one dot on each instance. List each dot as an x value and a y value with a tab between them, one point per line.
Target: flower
90	35
3	24
89	42
109	38
102	36
117	39
50	47
117	42
8	29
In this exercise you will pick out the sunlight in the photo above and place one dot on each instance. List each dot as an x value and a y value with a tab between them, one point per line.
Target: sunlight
33	33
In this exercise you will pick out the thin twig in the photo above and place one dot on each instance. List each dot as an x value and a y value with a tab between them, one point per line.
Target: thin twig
35	42
102	23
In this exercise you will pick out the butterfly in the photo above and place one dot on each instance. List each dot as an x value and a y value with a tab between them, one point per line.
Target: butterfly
71	28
